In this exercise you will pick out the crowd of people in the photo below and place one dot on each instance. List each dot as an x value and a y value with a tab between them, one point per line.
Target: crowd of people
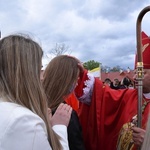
116	84
36	111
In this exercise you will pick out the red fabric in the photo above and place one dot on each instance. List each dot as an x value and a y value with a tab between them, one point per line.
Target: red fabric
146	51
72	101
81	85
109	110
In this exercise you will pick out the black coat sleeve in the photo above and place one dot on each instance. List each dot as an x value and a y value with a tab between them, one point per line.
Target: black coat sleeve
75	138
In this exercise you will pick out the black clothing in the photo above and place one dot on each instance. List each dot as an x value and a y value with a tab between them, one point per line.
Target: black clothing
75	138
75	133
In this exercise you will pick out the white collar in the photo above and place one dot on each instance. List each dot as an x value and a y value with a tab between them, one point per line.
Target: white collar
147	95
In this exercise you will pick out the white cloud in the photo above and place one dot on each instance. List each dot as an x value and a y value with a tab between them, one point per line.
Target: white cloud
98	30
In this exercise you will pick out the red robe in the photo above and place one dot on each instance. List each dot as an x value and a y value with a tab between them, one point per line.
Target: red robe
103	119
72	101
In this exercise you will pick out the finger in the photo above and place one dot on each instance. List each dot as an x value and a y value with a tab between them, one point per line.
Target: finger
60	106
70	110
65	107
134	134
137	143
136	129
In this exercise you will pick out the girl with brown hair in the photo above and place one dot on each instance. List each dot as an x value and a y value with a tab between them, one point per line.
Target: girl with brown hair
25	123
60	79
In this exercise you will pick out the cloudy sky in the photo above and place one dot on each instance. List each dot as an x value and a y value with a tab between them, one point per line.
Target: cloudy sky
100	30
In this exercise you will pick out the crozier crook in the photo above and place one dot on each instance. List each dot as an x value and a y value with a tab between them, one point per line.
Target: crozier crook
139	65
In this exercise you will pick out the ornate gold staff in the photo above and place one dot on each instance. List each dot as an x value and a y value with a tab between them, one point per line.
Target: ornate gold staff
139	66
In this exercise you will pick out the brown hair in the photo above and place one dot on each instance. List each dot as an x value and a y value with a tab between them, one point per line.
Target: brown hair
60	77
20	64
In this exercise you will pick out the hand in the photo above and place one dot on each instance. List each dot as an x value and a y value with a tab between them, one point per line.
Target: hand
80	64
138	135
62	115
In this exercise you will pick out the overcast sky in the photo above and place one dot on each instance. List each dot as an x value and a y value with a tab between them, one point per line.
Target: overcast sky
100	30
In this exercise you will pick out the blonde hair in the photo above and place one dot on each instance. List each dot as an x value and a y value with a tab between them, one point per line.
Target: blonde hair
60	78
20	64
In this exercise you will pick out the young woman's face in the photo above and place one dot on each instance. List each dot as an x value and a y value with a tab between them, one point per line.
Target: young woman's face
42	75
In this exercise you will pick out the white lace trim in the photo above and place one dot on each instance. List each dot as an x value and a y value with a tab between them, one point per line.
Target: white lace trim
147	95
88	90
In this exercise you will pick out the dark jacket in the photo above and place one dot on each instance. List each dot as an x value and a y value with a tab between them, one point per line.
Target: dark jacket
74	130
75	133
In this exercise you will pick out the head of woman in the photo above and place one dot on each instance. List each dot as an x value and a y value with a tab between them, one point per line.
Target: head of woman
20	65
20	62
60	79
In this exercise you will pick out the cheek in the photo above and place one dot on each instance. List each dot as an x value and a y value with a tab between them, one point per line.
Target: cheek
146	80
41	75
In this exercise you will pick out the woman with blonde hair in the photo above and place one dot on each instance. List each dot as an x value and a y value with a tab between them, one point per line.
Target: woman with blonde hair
25	123
60	79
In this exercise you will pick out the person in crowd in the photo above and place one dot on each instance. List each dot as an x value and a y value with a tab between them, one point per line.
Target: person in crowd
109	117
60	79
116	84
131	86
125	83
146	143
107	82
25	122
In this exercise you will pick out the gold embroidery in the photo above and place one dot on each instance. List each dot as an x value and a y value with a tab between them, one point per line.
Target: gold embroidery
125	141
125	137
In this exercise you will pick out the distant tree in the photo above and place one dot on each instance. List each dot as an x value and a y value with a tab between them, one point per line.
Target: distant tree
59	49
91	64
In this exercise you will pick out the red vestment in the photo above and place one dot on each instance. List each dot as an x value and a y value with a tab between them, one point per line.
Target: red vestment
109	110
72	101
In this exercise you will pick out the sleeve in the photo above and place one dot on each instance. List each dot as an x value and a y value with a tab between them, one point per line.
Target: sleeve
75	133
25	132
61	130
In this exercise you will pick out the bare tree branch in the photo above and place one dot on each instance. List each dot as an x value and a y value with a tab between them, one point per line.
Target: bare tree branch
59	49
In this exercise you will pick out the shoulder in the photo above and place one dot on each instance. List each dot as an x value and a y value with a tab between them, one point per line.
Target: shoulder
17	112
74	121
19	122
